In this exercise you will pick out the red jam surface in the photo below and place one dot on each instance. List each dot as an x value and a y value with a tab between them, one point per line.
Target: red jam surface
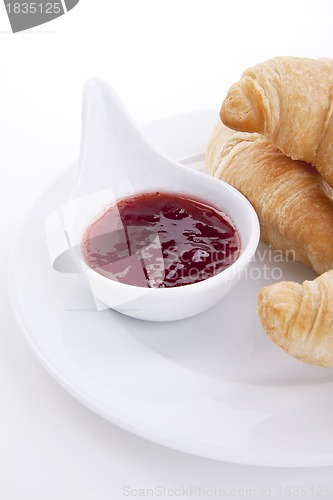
160	240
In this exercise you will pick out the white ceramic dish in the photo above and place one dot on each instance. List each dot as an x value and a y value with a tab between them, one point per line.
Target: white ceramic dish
211	385
117	160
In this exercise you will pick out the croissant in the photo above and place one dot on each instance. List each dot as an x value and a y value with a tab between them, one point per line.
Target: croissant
291	199
299	318
289	100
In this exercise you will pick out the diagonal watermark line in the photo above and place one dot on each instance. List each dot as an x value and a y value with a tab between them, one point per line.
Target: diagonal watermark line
64	6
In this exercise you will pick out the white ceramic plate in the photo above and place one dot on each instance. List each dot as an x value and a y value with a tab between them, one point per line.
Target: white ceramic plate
212	385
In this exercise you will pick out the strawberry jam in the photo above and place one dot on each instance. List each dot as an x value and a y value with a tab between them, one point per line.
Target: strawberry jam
160	240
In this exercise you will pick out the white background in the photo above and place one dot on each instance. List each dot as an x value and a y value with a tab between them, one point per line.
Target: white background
163	57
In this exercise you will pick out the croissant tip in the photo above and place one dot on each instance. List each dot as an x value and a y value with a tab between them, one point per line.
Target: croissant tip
276	312
239	112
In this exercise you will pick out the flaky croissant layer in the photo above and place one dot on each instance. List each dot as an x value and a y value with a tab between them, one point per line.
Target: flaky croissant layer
290	101
299	318
293	202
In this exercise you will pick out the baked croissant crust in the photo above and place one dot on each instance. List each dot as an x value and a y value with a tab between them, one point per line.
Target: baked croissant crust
291	199
299	318
290	101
